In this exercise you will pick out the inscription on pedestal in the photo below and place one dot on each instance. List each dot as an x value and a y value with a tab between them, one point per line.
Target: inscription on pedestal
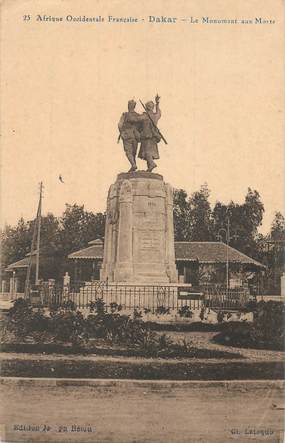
149	246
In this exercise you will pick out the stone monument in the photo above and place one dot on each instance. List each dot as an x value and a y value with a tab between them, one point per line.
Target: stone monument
139	234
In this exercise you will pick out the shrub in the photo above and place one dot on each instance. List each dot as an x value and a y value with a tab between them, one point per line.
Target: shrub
97	306
115	307
138	333
266	331
162	310
137	314
250	306
220	316
68	326
269	321
202	313
147	310
185	311
112	326
125	330
23	320
95	326
69	304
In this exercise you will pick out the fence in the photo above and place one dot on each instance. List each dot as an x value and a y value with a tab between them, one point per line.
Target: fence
140	297
219	297
10	296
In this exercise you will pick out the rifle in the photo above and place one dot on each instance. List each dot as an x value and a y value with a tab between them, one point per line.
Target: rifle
154	125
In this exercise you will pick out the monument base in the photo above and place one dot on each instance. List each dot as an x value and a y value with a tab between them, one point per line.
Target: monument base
139	237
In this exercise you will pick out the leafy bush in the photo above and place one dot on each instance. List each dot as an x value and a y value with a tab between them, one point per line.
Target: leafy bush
162	310
202	313
220	316
185	311
23	320
68	326
142	337
108	326
64	324
266	331
124	330
147	310
251	306
97	306
69	304
115	307
269	321
137	314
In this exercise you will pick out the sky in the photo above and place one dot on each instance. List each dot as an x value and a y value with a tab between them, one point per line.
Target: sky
65	85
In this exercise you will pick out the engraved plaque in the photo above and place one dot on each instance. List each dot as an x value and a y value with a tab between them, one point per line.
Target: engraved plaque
150	246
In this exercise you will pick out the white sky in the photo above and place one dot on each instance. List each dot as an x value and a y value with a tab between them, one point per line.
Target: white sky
64	87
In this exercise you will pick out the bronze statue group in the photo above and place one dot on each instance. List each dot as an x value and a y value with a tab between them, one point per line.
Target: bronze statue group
142	128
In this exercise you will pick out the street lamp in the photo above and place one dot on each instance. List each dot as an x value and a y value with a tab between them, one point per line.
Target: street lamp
228	237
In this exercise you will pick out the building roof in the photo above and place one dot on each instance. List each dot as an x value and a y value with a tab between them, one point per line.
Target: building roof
98	241
91	252
24	263
204	252
211	252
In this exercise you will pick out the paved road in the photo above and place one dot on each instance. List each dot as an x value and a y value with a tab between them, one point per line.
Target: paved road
123	411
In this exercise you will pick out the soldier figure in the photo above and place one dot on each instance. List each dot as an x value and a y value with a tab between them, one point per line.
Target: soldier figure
149	134
129	132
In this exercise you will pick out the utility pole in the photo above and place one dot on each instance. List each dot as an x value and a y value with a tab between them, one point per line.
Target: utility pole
35	244
228	242
39	216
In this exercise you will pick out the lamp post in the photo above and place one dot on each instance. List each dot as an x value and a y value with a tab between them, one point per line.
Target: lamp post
228	237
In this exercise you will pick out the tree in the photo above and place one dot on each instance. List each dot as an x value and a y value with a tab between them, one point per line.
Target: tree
274	253
181	215
16	242
192	215
59	237
194	220
201	215
245	220
78	227
277	231
50	236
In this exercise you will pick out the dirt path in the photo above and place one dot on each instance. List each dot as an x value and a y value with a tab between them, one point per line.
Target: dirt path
141	412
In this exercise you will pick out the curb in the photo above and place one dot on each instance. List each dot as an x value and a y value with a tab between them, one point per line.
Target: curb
33	381
142	370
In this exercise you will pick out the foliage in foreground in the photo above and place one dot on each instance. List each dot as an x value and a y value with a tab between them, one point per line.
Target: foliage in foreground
266	331
67	325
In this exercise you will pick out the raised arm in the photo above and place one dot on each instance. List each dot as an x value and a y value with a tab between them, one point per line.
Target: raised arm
157	113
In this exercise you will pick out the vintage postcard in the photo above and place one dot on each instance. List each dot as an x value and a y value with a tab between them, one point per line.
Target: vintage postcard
142	221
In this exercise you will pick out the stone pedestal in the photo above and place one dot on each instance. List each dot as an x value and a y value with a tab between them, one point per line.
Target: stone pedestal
139	238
